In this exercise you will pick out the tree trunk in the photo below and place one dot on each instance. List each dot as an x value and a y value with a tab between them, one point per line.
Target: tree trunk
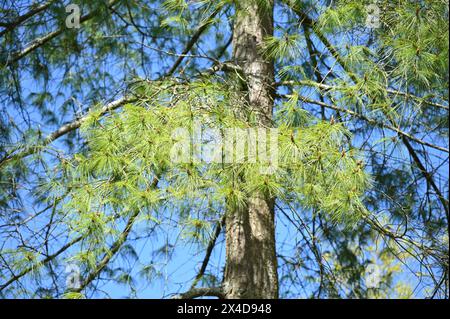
251	265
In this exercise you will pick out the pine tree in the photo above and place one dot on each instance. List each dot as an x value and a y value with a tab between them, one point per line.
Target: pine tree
308	138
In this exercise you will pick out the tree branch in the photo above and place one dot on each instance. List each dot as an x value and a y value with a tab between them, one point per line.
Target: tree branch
108	256
114	248
209	250
13	24
201	292
111	106
66	128
372	121
43	262
327	87
16	56
192	41
405	140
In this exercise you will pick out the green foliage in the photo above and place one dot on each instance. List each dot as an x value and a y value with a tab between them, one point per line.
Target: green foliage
411	38
121	165
285	47
130	148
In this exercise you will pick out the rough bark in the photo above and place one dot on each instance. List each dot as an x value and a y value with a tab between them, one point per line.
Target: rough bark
251	267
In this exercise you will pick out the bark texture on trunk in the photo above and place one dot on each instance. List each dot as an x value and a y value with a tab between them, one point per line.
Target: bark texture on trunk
251	264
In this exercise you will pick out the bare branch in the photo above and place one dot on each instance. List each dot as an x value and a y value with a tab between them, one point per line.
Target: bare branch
201	292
